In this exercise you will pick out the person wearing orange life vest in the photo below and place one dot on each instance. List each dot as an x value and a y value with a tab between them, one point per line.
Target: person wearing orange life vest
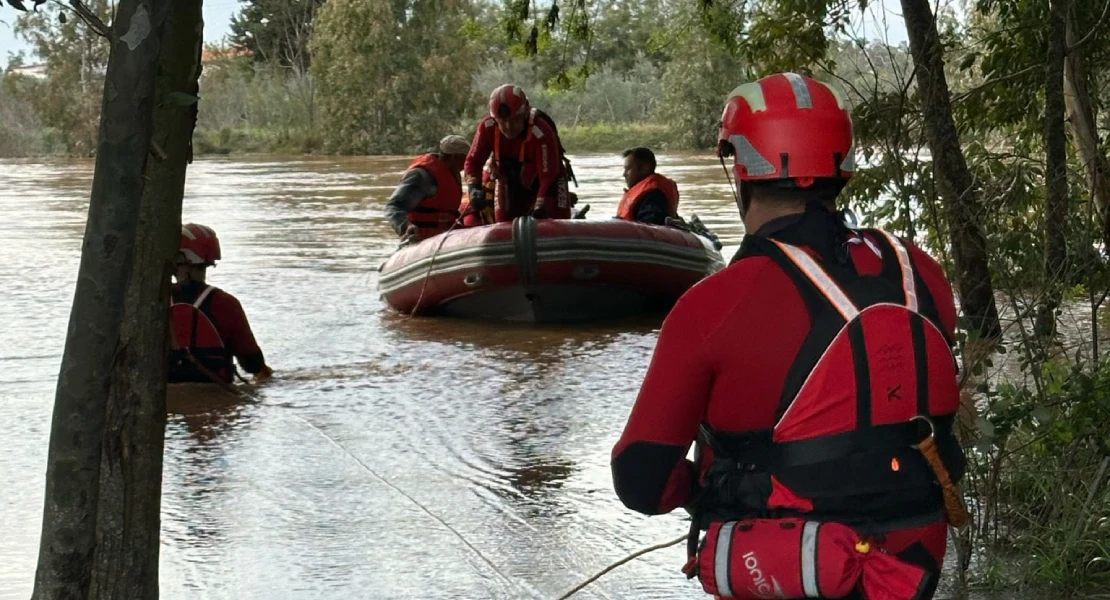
528	165
208	322
806	372
650	197
426	201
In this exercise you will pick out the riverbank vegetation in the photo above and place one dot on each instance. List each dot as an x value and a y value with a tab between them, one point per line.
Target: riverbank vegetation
983	137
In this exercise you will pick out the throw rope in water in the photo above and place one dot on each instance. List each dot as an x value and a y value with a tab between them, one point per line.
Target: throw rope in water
234	390
416	502
620	562
428	274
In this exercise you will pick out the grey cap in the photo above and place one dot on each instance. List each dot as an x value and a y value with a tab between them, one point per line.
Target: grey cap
454	144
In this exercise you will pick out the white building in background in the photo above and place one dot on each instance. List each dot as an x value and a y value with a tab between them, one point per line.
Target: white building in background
37	71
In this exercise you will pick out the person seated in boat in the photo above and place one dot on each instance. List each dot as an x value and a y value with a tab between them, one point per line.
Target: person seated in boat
809	437
209	325
426	202
528	166
650	197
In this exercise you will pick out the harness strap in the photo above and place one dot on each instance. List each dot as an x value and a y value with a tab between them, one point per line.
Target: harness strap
203	296
758	450
821	279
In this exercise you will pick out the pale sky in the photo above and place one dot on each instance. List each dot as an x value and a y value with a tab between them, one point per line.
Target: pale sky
881	16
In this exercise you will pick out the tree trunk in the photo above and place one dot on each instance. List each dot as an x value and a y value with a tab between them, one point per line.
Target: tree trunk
73	463
1056	171
953	176
129	523
1081	117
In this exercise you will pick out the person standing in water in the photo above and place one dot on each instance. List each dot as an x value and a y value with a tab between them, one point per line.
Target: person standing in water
208	323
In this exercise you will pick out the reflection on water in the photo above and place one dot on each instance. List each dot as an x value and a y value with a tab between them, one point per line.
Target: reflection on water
502	431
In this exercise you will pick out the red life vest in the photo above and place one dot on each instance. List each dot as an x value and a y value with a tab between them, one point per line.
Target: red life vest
873	372
195	331
875	359
631	200
436	214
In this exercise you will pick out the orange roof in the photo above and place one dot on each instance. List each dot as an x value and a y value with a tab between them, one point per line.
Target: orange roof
213	54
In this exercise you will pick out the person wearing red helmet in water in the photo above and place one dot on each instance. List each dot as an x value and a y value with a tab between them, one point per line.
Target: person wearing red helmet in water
814	375
209	324
528	166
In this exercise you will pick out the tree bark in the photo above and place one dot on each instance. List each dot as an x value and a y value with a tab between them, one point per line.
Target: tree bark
953	176
129	519
1056	171
73	463
1081	118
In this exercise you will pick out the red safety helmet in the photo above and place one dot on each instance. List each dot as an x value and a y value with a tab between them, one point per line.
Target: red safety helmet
507	101
199	244
787	126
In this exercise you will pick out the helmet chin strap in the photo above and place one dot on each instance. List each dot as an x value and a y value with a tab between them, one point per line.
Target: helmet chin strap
732	186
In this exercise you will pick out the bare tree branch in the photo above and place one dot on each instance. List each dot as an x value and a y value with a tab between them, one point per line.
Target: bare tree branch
89	17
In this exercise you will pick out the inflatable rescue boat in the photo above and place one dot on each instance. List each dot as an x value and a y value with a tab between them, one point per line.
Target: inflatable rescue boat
548	270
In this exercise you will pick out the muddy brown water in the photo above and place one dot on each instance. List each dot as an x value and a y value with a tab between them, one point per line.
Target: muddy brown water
503	433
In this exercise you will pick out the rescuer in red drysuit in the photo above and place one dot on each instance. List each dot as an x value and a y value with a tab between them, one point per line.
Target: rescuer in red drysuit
207	321
744	345
528	163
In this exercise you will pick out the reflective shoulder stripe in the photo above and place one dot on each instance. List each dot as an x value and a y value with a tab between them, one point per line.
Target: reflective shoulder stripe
809	559
908	284
721	558
817	275
859	239
203	296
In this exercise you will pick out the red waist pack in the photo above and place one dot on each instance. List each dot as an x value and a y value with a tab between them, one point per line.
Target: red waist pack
795	558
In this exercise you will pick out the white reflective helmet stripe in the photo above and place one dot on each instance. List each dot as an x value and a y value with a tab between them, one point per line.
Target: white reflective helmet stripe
752	93
809	559
802	97
908	285
191	256
187	233
746	155
821	280
836	94
721	561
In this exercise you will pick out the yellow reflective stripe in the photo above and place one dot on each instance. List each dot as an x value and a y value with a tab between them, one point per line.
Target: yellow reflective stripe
908	285
824	283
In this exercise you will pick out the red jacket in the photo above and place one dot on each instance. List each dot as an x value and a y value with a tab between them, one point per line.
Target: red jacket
535	156
722	356
230	321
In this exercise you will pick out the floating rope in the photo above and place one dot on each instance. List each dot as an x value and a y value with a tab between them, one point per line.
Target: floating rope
620	562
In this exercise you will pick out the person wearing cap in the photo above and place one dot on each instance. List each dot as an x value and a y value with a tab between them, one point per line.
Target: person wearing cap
426	201
526	161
